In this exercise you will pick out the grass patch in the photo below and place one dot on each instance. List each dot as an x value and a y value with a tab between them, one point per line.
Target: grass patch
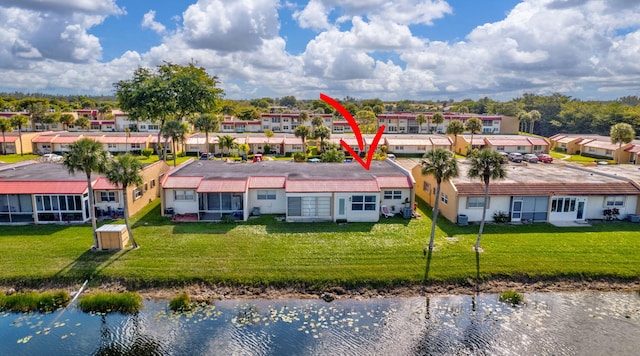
34	302
181	303
18	158
512	297
267	252
125	303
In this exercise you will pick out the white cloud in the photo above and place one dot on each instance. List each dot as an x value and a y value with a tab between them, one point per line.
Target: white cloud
314	16
148	21
240	25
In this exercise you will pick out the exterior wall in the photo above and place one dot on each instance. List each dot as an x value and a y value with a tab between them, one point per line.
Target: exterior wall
496	203
425	189
320	217
598	152
395	205
150	187
180	207
277	206
108	205
509	125
355	215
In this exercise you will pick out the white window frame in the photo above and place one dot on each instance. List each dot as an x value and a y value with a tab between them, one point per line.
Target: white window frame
266	194
184	195
444	198
477	202
108	196
614	201
392	195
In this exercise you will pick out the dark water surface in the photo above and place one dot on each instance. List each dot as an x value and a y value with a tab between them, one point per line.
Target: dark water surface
582	323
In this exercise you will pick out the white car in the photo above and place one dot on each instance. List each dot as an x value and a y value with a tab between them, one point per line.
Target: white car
51	157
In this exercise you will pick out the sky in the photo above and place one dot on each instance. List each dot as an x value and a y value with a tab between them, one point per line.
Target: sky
365	49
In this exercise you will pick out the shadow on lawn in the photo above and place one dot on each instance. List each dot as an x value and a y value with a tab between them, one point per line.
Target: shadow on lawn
89	264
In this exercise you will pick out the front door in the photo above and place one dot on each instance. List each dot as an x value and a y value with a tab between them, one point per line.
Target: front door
580	211
342	208
516	210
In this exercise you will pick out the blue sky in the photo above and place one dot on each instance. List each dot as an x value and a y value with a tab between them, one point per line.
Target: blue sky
405	49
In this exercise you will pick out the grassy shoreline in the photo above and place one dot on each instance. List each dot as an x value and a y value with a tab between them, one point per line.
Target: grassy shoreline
267	256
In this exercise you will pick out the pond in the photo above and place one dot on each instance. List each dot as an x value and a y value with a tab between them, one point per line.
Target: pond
579	323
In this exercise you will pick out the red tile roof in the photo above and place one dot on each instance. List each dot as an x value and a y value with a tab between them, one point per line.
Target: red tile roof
182	182
266	182
44	139
222	185
394	182
538	141
66	139
333	185
9	138
104	184
40	187
548	189
122	139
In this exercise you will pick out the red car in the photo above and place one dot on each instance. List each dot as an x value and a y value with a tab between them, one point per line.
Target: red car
545	158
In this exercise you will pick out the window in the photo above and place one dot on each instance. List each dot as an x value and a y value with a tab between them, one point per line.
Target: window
135	146
266	195
426	186
487	123
275	120
392	194
608	153
112	146
399	148
444	198
476	202
500	148
392	129
563	205
182	195
108	196
285	127
520	148
265	127
363	202
153	183
137	193
309	206
614	201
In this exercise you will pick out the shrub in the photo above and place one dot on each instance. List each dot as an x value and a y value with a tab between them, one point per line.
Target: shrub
147	152
125	303
299	157
500	217
181	303
182	154
512	297
32	301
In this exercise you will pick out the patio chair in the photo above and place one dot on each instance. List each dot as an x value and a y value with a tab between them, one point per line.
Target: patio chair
385	211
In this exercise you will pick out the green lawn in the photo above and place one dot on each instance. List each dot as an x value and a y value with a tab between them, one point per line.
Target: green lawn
264	251
18	158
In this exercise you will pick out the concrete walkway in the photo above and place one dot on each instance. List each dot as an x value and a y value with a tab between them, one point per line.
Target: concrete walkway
570	224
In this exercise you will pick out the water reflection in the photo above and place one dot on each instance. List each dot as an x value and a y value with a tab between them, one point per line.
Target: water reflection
549	323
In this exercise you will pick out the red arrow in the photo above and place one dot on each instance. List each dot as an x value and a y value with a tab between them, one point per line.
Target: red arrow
356	131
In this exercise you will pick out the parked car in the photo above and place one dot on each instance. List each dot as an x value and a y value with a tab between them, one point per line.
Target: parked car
51	157
391	156
531	158
515	157
545	158
206	156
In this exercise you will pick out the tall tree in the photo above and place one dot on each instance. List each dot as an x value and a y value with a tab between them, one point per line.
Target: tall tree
437	119
473	125
317	121
367	121
524	119
455	128
621	133
88	156
534	115
66	119
5	126
303	132
83	123
269	134
176	131
18	121
332	155
227	142
207	123
421	119
486	165
322	133
125	172
442	165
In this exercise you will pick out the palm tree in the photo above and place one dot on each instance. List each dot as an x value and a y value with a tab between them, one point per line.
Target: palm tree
473	125
621	133
442	165
19	121
437	119
421	119
127	132
486	165
303	132
455	128
321	132
125	172
317	121
463	109
226	141
207	123
534	115
269	134
83	123
523	118
5	126
66	120
176	131
88	156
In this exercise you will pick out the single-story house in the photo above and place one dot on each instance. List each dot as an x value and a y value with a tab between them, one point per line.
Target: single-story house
114	142
536	192
44	193
211	190
502	143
